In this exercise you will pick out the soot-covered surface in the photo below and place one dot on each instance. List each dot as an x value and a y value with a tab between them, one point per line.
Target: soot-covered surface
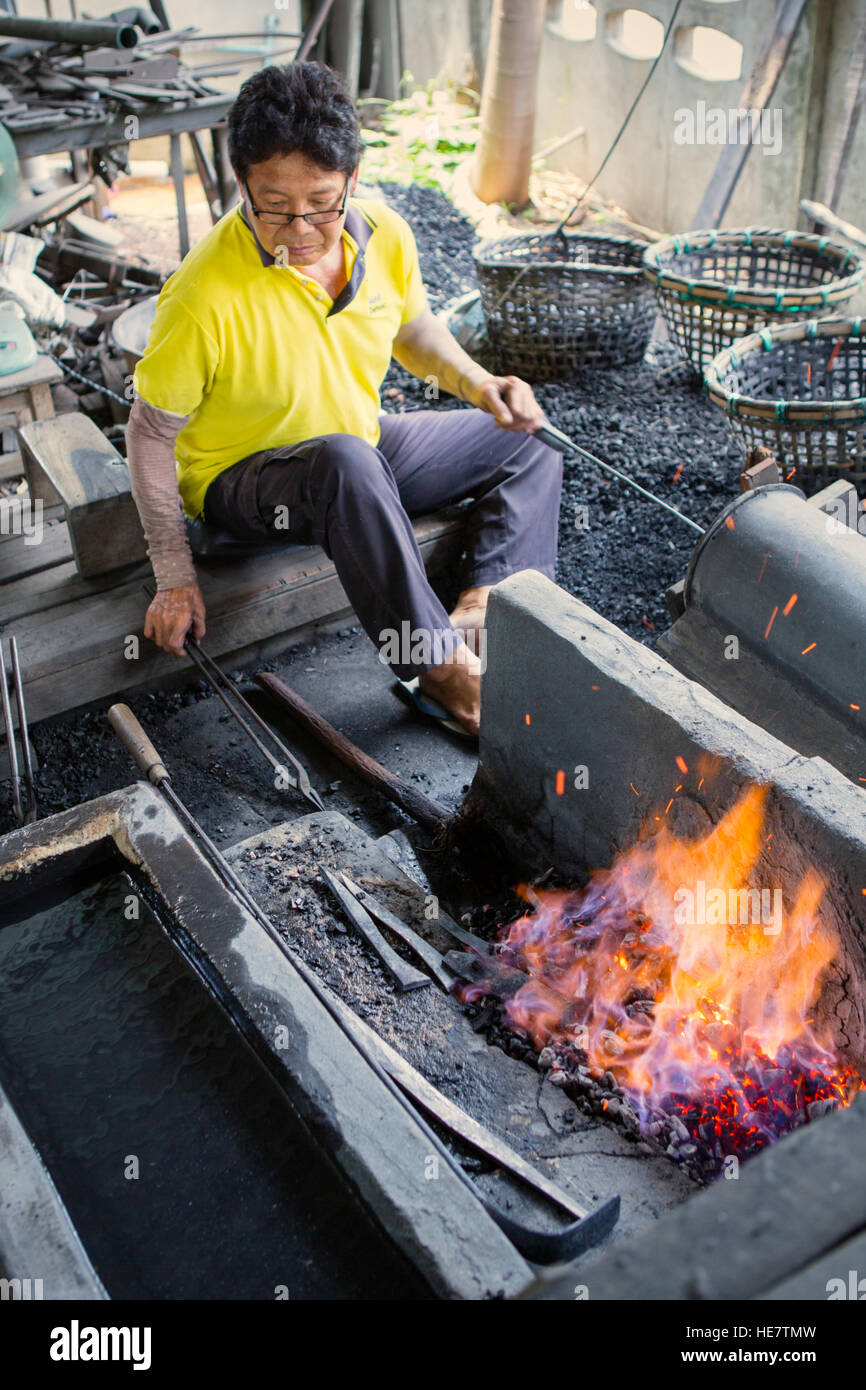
111	1052
499	1085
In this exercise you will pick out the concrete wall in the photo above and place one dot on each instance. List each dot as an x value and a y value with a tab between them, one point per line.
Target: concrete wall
659	180
590	84
444	38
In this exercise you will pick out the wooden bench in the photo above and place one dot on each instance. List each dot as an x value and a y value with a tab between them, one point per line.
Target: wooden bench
68	459
26	396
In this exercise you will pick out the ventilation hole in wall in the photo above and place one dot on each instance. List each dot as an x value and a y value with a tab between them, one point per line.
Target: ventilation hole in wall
708	53
634	34
574	19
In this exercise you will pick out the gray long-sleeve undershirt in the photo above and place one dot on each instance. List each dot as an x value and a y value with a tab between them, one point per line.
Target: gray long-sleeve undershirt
150	440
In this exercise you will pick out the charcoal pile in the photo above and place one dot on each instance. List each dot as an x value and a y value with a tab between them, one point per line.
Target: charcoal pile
617	551
700	1136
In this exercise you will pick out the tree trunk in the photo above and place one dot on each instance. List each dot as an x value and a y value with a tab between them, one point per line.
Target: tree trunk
502	159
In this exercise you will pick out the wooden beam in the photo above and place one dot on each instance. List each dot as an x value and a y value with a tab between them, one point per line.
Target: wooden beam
92	481
18	559
756	95
73	653
836	165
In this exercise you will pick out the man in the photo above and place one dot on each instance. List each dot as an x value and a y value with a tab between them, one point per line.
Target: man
261	379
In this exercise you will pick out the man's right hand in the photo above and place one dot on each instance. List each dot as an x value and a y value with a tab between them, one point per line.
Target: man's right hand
173	615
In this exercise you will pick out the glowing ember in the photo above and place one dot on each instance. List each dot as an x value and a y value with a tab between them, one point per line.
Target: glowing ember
693	990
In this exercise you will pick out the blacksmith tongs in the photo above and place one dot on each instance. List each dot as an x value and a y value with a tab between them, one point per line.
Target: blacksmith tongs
361	908
220	683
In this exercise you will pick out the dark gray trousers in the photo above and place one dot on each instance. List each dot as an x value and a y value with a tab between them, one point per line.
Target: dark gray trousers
356	502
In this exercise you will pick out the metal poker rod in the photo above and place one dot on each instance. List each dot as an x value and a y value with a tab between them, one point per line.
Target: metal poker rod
560	441
217	679
22	815
542	1247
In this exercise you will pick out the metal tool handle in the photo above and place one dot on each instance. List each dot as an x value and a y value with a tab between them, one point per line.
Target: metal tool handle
549	434
137	744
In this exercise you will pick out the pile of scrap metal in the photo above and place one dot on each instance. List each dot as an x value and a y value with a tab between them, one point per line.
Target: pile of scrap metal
61	266
74	295
56	71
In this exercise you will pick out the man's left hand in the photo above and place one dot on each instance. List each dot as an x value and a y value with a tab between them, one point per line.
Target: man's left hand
511	403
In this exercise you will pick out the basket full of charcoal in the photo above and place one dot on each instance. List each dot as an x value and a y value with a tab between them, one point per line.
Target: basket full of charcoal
714	287
556	302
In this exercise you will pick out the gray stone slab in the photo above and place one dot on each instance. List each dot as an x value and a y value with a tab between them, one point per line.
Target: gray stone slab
838	1276
440	1226
740	1238
591	1159
40	1253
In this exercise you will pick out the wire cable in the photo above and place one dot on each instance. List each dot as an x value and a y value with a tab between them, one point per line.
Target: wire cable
631	110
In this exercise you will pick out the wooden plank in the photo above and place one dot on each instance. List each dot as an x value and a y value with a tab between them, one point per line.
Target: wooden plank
47	207
42	370
756	93
49	588
836	166
17	559
73	654
41	400
791	1204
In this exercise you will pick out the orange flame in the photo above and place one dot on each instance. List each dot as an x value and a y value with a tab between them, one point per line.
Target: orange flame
688	982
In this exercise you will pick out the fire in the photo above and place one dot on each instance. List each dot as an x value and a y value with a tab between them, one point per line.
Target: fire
693	987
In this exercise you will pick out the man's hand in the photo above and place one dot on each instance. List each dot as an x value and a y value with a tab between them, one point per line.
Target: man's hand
511	403
173	615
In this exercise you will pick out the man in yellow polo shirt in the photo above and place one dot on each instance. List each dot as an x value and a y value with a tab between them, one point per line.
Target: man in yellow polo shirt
257	400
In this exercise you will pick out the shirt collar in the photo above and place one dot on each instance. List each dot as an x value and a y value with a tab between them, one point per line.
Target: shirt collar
357	225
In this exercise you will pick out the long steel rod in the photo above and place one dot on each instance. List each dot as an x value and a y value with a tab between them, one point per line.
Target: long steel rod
30	814
213	674
80	32
10	740
559	440
217	679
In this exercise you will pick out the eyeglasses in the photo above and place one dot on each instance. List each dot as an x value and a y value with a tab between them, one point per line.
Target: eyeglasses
315	219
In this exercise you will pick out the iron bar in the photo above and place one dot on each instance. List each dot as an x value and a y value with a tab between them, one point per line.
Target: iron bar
80	32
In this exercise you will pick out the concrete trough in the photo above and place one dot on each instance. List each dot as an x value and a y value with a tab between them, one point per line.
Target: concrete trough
438	1232
585	737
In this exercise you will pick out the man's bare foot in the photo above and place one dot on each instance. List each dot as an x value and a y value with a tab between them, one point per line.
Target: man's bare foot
456	684
470	616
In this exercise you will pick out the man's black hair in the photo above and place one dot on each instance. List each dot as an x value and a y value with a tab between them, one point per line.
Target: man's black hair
304	107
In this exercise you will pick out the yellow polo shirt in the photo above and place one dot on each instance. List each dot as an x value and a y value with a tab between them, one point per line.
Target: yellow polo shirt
259	356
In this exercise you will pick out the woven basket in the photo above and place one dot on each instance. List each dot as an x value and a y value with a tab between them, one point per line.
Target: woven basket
801	390
556	302
715	287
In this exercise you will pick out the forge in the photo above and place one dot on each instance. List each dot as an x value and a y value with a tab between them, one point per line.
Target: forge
701	979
